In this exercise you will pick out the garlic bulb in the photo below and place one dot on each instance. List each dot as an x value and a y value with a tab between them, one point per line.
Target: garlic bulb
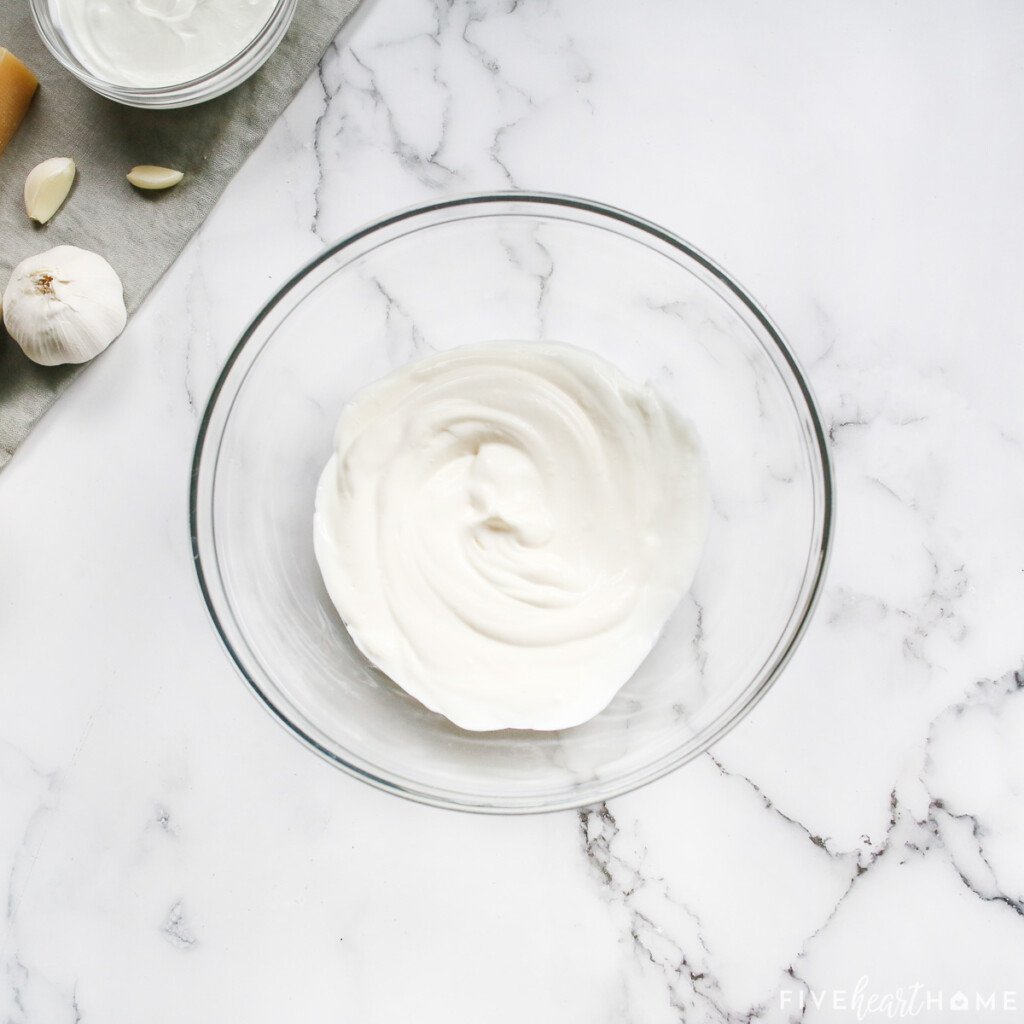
47	186
65	305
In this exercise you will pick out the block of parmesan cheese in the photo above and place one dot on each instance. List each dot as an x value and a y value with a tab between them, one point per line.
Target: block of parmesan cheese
17	87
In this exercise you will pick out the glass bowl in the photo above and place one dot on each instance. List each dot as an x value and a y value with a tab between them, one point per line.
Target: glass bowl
525	267
183	94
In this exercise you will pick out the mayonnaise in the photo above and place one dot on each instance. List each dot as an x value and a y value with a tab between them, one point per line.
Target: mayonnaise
505	529
152	43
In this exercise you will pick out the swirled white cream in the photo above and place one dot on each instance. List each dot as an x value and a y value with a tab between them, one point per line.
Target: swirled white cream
153	43
505	529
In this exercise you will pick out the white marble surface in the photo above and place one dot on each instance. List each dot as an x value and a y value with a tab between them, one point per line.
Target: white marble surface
170	854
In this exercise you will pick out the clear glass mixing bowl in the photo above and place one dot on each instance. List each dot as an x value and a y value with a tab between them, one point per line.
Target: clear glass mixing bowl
524	267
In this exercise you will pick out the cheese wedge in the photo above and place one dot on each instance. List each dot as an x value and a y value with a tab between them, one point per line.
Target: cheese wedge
17	87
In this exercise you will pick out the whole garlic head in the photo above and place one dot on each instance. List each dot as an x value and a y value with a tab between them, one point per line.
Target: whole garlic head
65	305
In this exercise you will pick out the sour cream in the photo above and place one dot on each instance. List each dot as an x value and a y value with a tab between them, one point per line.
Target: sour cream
505	529
153	43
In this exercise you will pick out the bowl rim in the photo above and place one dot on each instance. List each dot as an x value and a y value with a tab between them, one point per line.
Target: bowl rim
739	708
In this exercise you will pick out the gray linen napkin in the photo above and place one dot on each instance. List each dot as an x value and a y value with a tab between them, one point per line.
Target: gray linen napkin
139	234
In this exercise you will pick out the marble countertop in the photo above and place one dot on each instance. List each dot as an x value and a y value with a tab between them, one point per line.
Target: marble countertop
168	853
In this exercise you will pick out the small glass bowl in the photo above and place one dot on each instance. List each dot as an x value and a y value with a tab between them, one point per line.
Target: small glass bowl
524	267
184	94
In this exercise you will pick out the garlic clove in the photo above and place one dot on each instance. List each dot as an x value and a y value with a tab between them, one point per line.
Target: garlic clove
47	186
149	177
64	305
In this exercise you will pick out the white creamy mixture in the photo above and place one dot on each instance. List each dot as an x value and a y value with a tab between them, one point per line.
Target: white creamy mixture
505	529
152	43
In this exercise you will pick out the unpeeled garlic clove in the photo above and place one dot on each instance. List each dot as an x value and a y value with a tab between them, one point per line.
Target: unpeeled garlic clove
65	305
149	177
47	186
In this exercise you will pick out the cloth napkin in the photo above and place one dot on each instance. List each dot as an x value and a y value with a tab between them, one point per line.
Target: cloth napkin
139	234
